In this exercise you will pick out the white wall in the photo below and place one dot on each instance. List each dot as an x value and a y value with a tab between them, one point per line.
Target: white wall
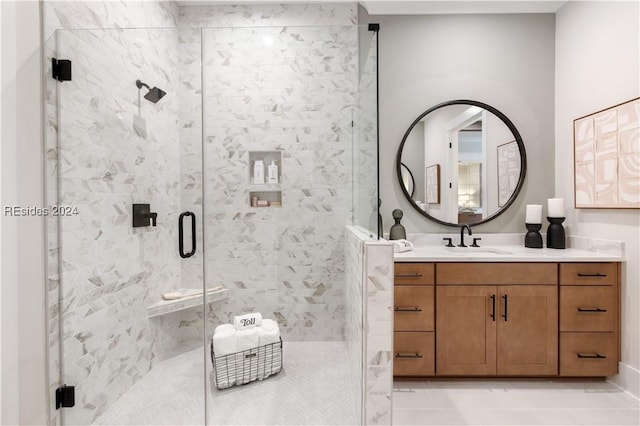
506	61
598	66
24	387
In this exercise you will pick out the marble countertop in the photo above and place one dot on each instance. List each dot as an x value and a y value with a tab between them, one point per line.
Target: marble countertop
508	248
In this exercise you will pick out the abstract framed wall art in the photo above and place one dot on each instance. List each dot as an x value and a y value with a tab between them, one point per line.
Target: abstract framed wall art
432	184
508	171
607	158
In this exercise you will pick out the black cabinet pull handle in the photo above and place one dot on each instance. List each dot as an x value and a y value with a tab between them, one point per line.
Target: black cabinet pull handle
593	356
401	355
505	307
591	310
408	275
493	307
416	309
181	234
598	275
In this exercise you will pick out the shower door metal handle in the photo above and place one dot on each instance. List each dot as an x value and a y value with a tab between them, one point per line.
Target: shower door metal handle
181	234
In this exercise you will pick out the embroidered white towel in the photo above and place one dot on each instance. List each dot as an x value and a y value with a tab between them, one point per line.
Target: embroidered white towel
400	246
242	322
224	340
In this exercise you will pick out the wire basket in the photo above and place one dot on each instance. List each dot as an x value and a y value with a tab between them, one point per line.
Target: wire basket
247	366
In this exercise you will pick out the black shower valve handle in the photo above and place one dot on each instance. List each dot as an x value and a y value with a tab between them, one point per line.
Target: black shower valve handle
153	216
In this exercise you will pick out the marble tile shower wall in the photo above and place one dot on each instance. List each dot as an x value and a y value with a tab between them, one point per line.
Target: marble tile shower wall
111	272
369	310
295	96
286	262
354	312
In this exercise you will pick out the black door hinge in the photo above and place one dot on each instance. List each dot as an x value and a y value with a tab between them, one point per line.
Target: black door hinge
374	27
65	396
61	69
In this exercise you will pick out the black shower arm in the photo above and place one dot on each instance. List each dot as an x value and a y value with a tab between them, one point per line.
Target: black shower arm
139	85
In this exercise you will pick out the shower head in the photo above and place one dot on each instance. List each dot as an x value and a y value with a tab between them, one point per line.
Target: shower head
153	95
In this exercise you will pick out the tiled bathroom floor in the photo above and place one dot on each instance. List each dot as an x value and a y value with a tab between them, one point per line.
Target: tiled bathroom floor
512	402
312	389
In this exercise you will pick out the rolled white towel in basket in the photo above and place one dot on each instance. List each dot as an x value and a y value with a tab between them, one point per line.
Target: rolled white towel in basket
247	321
269	332
248	338
225	340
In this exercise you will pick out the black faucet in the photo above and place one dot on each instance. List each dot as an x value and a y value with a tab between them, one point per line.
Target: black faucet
462	228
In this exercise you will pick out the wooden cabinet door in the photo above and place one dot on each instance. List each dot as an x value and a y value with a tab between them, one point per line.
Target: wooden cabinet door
527	330
465	330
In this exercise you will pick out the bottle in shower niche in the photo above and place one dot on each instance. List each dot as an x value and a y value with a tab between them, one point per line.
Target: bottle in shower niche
258	172
273	173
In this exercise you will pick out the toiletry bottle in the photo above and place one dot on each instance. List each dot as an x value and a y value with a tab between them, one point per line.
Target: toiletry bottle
273	173
258	172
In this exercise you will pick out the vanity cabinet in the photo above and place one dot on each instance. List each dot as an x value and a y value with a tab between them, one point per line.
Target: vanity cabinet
589	319
413	327
496	319
506	319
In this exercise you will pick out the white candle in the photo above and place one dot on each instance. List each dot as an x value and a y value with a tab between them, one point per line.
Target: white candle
534	213
556	207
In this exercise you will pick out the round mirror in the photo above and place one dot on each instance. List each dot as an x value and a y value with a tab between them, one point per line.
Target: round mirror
468	160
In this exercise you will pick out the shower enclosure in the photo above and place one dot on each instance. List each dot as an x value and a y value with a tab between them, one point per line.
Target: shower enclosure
151	152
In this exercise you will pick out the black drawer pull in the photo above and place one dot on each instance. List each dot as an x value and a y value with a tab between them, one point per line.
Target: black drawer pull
505	307
591	310
598	275
493	307
408	275
594	356
401	355
416	309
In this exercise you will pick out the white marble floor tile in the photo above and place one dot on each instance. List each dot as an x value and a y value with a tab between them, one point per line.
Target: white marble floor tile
312	389
608	417
512	402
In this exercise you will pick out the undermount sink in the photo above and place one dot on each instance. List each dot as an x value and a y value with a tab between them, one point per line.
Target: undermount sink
476	250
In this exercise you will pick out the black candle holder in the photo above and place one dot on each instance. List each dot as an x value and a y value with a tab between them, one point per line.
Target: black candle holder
533	239
555	233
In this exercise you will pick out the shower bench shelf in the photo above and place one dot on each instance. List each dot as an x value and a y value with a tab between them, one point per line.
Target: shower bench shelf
169	306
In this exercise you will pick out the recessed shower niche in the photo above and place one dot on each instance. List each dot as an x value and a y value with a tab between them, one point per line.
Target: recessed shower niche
265	173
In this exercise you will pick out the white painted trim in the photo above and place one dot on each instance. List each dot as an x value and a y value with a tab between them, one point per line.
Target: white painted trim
628	380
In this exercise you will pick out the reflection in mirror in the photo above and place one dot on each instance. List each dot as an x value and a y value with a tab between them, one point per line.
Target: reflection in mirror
407	180
465	141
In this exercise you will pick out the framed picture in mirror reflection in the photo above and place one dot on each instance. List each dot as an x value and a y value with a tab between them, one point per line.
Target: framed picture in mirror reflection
432	184
508	163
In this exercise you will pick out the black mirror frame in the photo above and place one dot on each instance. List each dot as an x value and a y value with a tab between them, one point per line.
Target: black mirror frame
413	181
505	120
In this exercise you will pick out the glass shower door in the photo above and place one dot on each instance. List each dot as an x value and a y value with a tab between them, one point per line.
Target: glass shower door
133	356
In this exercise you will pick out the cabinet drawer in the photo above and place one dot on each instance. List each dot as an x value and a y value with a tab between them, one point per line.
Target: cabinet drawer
413	354
588	273
413	308
414	273
497	273
588	308
588	354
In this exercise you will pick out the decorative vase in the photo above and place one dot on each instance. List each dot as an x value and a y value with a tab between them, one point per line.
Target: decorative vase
397	231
